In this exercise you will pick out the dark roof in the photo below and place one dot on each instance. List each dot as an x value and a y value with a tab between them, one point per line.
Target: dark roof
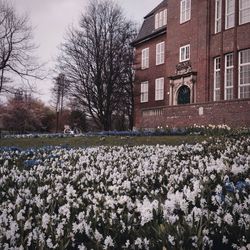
158	7
148	27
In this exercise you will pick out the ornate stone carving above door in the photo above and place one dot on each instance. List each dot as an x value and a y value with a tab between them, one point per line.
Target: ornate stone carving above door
183	68
177	82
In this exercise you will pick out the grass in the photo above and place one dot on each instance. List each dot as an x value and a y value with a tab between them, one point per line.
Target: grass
101	141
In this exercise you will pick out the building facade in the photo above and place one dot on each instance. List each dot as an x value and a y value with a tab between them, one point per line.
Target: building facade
192	64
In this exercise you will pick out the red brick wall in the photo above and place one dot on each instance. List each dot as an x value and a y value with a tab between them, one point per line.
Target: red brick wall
233	113
150	74
193	32
204	45
224	42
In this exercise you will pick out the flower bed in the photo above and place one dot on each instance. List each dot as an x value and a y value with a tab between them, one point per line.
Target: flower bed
146	197
210	130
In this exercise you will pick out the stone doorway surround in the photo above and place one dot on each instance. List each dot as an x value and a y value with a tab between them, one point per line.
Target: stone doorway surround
183	76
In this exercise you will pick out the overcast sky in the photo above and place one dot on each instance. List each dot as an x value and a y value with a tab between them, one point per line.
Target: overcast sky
50	18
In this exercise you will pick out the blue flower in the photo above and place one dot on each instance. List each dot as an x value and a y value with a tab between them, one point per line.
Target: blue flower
31	163
241	185
9	149
229	186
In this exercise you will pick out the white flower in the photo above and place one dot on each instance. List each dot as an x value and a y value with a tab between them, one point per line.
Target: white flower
82	247
11	234
212	176
146	243
218	189
71	193
20	216
64	210
98	236
27	225
207	241
146	210
45	221
138	242
127	244
108	242
228	218
59	230
6	163
171	240
224	240
49	243
239	169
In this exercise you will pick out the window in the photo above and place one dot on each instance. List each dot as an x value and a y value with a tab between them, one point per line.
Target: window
244	73
161	19
229	15
156	20
244	10
217	79
159	89
144	92
229	68
185	11
160	47
145	58
185	53
218	16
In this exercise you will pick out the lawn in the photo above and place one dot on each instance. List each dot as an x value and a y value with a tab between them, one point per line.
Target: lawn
93	141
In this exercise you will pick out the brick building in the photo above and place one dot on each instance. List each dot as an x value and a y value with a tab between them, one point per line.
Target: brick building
192	64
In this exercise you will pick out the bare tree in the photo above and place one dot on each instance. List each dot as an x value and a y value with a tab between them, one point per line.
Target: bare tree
59	92
96	59
16	47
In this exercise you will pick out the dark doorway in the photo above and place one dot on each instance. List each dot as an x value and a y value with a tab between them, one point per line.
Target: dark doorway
184	95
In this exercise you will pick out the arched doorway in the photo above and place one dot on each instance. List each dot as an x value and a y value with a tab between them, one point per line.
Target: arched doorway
183	95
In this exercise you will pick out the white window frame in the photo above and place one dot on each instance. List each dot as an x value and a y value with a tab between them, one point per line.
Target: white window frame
161	19
247	64
160	53
242	9
144	91
165	17
145	58
229	69
229	14
217	70
185	11
159	89
184	53
218	10
156	20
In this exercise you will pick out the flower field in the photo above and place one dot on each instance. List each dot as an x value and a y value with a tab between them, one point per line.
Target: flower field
142	197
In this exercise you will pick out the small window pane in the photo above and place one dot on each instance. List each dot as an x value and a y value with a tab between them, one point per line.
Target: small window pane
184	53
144	92
160	47
244	74
218	9
229	76
217	79
145	58
159	89
230	7
244	11
185	10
